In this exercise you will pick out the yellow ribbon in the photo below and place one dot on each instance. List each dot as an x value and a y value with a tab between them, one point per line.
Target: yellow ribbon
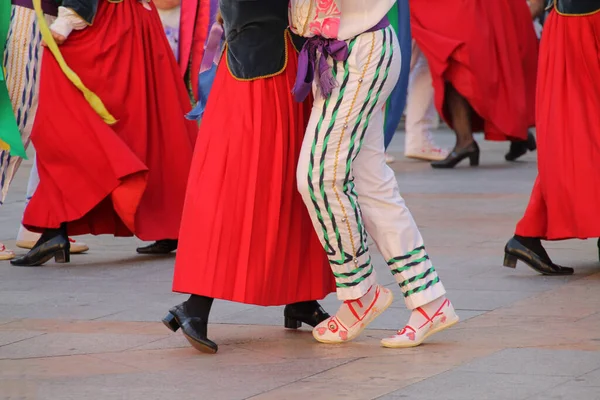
90	96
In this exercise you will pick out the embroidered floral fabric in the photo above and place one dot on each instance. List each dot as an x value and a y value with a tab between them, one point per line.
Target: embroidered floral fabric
310	18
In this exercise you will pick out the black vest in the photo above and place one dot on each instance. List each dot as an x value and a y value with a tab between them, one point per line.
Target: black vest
86	9
575	7
255	33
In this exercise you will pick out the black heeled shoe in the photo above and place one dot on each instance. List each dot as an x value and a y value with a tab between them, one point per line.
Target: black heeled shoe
164	246
194	329
520	148
515	251
308	312
457	155
53	243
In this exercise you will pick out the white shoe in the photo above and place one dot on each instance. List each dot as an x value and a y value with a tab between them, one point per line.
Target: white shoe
427	153
6	254
333	331
76	247
410	336
424	148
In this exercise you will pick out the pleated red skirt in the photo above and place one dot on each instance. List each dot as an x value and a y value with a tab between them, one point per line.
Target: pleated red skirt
565	199
124	179
487	50
246	235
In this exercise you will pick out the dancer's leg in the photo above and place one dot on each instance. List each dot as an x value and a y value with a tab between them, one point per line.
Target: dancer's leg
420	112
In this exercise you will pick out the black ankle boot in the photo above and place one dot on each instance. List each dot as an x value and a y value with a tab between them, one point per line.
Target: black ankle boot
520	148
195	329
515	251
309	312
164	246
53	243
457	155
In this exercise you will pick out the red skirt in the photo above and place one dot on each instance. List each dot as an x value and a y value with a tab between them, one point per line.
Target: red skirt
487	50
124	179
246	235
565	200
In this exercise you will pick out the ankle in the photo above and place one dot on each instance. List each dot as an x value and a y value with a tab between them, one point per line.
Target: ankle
434	305
528	240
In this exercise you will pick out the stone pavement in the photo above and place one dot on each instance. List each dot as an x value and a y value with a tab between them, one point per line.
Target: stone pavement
90	330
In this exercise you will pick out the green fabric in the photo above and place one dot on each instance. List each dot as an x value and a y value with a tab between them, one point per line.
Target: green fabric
9	131
393	17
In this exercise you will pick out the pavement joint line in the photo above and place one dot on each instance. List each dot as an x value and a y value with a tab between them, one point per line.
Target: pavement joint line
93	354
305	377
107	315
22	340
149	343
533	396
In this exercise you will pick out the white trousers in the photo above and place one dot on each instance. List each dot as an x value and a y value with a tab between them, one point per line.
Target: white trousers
421	115
346	184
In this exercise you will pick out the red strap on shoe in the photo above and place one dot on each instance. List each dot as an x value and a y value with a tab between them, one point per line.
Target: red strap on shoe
349	303
438	313
403	331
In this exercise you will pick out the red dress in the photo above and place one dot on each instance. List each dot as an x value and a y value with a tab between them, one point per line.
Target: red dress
487	49
565	199
124	179
246	235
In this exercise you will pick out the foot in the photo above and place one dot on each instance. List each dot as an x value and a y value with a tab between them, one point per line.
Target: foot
76	246
520	148
427	153
389	158
424	322
531	252
354	316
164	246
53	243
470	151
308	312
194	329
6	254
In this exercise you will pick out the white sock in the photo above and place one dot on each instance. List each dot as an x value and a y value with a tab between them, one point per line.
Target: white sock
423	315
352	311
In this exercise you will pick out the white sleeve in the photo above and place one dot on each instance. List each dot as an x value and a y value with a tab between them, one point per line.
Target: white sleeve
67	21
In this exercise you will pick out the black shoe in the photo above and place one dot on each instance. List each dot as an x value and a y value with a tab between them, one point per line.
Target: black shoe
53	243
194	329
515	251
520	148
164	246
457	155
308	312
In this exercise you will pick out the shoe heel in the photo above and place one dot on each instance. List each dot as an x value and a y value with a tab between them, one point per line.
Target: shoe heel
474	159
510	261
171	322
62	256
291	323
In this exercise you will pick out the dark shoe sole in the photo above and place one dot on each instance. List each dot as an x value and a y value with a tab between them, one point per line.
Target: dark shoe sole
171	322
510	261
200	346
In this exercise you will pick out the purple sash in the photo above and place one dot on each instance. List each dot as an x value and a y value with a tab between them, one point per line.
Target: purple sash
48	6
308	63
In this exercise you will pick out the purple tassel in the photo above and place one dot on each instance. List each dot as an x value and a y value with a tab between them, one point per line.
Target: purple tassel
327	82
